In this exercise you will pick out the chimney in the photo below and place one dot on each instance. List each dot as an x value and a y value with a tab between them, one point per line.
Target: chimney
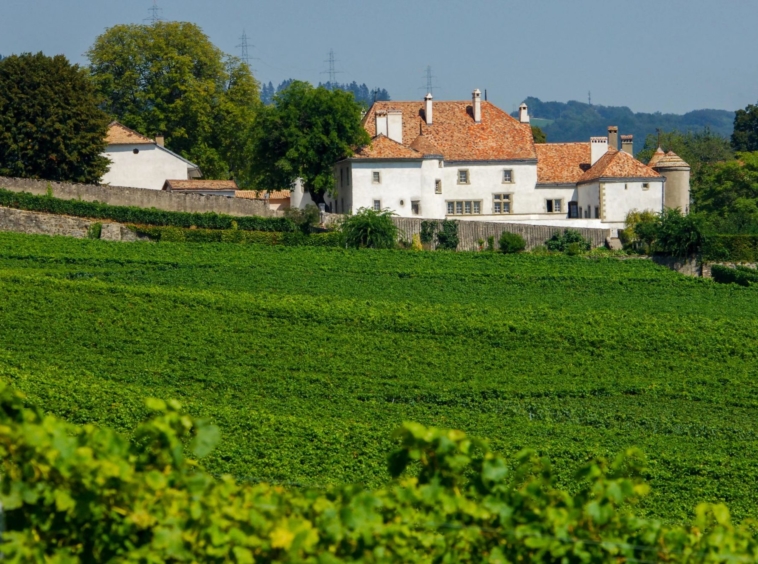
381	122
598	147
428	108
159	140
395	125
523	113
476	99
613	137
627	144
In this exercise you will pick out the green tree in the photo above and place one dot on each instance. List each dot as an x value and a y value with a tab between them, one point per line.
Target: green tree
745	136
50	123
728	195
303	134
539	135
697	148
169	78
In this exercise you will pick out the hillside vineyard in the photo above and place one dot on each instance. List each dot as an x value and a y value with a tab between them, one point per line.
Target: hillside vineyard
309	358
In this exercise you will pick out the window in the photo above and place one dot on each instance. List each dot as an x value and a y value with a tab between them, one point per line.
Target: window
465	207
377	205
342	204
554	206
597	212
574	210
347	176
501	203
507	176
646	186
342	177
438	186
376	177
463	177
415	207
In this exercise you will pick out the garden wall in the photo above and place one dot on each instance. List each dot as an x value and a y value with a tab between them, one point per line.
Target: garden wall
36	223
470	232
140	197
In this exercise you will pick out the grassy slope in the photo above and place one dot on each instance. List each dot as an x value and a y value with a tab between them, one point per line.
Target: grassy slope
308	358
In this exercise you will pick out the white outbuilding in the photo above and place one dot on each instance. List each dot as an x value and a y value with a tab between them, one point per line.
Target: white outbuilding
140	162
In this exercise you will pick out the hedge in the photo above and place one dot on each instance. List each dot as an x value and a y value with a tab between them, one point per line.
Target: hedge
738	248
741	275
289	239
143	216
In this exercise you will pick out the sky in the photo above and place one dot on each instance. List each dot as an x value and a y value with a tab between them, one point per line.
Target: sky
664	55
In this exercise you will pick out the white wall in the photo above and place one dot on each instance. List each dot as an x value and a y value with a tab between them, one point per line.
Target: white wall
619	198
150	168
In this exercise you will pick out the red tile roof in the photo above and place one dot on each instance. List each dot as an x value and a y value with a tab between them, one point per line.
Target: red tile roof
119	134
670	160
618	164
261	194
382	147
562	163
200	185
456	135
425	146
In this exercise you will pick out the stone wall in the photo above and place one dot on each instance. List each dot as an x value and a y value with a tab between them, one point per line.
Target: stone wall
142	198
36	223
470	232
706	268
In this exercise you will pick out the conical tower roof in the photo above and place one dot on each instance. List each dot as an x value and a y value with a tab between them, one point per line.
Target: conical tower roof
658	155
671	160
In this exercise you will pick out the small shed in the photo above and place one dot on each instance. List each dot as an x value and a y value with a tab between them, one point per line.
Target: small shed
226	188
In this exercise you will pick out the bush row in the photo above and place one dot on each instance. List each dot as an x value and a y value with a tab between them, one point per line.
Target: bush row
86	494
741	275
144	216
738	248
290	239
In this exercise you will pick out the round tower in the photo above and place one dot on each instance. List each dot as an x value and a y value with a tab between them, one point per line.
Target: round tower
677	174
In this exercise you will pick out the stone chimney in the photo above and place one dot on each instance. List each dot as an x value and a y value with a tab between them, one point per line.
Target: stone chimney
395	125
476	103
613	137
160	140
627	144
598	147
428	108
523	113
381	122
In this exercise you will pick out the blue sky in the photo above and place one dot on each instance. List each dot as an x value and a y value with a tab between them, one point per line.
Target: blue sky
664	55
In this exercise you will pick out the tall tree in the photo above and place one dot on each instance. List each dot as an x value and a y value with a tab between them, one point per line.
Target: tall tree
728	194
697	148
169	78
50	124
303	134
745	136
539	135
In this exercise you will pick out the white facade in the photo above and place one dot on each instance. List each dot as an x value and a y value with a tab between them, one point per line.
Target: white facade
145	166
615	199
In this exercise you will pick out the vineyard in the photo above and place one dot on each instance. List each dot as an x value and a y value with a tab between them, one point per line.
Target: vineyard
308	358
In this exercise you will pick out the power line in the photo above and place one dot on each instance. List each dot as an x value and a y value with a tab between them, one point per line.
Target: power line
332	72
155	13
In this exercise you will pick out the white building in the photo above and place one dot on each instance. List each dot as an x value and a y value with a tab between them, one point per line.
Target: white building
140	162
471	160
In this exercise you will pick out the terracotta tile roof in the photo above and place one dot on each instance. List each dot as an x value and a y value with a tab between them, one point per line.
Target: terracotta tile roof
121	135
670	160
200	185
382	147
425	146
498	137
562	163
261	194
618	164
656	157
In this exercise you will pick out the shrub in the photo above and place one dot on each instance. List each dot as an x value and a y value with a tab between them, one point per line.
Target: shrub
416	242
491	243
142	216
560	242
428	229
447	236
677	235
511	243
289	239
738	248
370	229
305	219
94	231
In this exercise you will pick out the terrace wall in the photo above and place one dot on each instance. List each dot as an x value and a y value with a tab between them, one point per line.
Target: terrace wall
142	198
36	223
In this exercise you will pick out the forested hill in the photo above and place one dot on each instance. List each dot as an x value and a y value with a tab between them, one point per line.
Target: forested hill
577	121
